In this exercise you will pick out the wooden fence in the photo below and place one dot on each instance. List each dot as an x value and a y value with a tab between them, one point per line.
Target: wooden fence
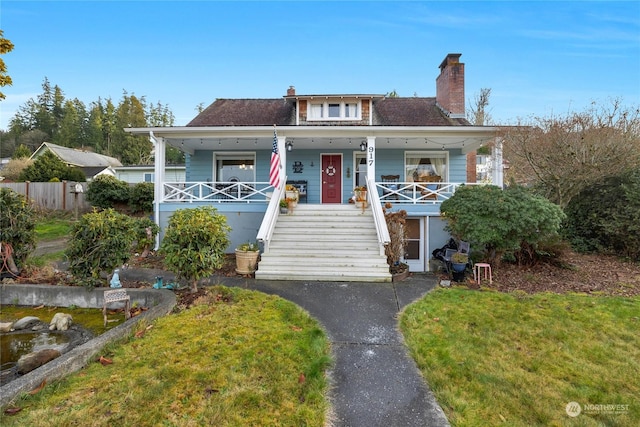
52	195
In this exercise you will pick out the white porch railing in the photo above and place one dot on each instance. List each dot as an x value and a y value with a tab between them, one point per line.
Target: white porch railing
261	192
417	192
219	192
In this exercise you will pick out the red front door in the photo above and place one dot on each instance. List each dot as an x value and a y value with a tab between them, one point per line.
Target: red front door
331	178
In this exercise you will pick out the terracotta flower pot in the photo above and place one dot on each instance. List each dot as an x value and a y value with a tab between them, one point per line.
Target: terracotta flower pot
246	261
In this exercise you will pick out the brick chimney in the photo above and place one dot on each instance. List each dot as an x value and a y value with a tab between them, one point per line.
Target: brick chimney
450	86
291	91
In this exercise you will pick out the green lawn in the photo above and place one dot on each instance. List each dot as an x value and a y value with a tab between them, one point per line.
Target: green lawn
238	358
51	228
517	360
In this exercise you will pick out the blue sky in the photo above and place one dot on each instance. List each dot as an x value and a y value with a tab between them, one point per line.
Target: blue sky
539	58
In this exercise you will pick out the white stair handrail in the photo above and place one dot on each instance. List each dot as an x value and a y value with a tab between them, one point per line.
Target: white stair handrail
270	217
378	216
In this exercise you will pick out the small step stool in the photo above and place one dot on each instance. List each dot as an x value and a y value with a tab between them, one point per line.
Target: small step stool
116	295
479	268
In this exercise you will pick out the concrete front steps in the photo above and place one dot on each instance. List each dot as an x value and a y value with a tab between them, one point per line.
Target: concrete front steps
325	243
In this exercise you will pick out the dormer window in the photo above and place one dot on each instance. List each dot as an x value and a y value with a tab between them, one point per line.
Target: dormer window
329	110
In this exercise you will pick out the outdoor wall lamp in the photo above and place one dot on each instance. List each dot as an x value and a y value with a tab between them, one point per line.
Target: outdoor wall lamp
363	146
289	146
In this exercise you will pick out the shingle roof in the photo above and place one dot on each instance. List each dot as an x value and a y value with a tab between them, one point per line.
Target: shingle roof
79	158
246	112
265	112
412	112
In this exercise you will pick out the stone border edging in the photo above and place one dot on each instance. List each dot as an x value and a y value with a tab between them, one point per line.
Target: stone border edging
159	302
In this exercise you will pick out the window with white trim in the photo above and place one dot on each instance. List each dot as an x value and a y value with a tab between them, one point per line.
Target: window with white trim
148	177
234	167
419	164
332	110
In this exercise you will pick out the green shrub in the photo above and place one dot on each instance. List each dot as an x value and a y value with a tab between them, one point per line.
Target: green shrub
511	223
17	225
100	242
141	198
194	243
606	217
105	191
49	167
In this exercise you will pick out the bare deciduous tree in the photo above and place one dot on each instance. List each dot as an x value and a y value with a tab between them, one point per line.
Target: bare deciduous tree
561	156
477	113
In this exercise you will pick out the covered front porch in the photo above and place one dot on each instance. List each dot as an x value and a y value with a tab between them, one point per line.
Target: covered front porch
228	167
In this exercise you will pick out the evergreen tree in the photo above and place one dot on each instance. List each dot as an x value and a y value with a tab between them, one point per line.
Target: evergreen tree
128	148
22	152
72	131
94	128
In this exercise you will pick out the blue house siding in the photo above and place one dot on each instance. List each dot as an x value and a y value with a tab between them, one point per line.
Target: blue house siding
457	166
244	219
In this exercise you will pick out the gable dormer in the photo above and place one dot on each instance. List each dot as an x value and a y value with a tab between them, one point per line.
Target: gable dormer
327	110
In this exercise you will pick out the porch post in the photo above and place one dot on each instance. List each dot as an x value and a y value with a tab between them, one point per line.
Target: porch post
159	147
282	149
371	158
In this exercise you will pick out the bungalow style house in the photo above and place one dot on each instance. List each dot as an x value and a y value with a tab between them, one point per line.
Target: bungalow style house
410	153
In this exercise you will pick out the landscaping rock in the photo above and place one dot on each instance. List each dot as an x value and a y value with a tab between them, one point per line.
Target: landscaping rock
60	322
6	327
31	361
26	323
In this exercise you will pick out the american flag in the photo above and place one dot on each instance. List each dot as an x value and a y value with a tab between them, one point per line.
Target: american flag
274	171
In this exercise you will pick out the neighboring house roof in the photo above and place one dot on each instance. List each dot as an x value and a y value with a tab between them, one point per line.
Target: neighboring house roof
75	157
411	111
97	170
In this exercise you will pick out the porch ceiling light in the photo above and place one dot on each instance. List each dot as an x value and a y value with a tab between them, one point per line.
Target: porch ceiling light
289	146
363	146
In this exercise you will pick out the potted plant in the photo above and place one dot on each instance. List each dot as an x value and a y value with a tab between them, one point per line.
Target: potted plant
459	262
247	258
284	206
360	194
292	193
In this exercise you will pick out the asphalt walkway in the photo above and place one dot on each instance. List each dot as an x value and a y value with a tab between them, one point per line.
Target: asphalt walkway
374	381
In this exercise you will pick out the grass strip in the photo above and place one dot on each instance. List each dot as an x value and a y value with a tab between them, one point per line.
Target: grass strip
516	359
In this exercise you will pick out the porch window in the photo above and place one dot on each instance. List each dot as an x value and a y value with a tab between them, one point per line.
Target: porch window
419	164
148	177
235	167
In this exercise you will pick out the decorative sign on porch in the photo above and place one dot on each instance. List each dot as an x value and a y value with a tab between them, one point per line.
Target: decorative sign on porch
297	167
